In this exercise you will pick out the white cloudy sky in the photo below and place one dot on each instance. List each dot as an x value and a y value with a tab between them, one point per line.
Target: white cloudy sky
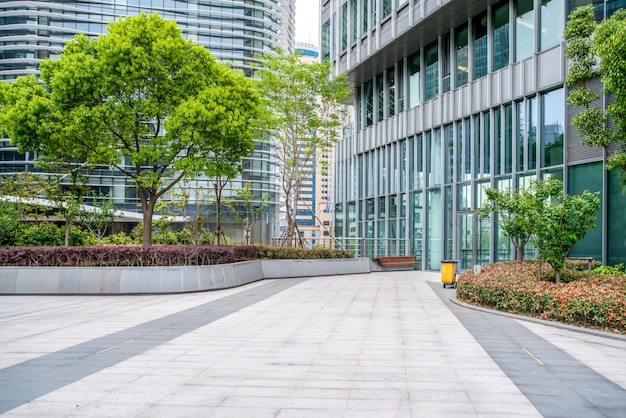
307	21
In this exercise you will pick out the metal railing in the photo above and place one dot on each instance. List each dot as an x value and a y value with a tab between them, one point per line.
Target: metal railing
360	247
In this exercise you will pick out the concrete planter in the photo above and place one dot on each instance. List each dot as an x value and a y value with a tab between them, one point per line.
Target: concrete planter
137	280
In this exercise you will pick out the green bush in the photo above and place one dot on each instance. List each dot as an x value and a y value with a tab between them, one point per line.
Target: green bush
616	270
121	238
44	234
283	253
514	287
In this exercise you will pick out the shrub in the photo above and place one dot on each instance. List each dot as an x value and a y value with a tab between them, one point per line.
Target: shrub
155	255
121	238
44	234
616	270
513	287
283	253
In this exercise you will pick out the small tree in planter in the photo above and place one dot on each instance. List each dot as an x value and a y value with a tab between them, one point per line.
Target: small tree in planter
560	221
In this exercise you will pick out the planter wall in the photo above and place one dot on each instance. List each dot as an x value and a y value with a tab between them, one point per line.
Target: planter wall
138	280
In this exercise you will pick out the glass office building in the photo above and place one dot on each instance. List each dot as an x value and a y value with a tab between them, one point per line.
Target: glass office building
235	31
451	97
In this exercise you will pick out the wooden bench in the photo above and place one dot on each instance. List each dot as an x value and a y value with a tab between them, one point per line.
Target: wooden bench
396	261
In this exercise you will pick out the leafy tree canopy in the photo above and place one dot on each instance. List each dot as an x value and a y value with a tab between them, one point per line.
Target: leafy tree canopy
141	99
599	50
306	104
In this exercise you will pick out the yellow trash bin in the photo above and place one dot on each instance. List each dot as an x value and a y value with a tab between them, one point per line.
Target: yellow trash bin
448	273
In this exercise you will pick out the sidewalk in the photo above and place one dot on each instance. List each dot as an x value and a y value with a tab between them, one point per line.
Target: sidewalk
386	344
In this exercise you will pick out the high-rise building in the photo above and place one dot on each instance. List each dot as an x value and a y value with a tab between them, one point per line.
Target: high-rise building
451	97
235	31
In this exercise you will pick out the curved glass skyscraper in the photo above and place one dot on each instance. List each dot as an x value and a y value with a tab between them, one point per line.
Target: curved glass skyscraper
235	31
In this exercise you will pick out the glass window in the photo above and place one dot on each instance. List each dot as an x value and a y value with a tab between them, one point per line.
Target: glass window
400	87
503	245
431	61
449	155
393	206
344	27
449	222
498	141
524	30
339	220
385	8
520	114
414	80
552	23
351	222
445	63
463	150
391	89
478	143
434	153
403	165
480	46
617	213
464	197
373	14
552	128
368	93
380	90
326	40
434	229
364	16
462	65
501	36
359	108
588	177
486	144
370	211
531	134
382	207
354	28
507	147
416	232
417	165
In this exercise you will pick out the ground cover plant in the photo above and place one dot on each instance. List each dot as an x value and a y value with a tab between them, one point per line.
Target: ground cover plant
515	287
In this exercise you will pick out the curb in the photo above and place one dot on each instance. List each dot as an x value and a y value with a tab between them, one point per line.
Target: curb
596	333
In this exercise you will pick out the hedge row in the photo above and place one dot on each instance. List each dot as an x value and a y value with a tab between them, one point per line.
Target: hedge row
514	287
156	255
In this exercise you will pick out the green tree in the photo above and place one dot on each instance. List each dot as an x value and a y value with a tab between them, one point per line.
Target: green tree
10	225
560	221
306	104
599	50
513	215
245	208
140	99
99	217
24	190
65	188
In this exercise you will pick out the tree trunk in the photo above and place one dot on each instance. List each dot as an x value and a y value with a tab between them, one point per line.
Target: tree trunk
68	228
520	252
557	276
148	211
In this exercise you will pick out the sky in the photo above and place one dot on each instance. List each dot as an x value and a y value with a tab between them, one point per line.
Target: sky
307	21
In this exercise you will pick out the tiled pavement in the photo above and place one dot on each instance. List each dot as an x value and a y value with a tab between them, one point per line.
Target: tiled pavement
381	345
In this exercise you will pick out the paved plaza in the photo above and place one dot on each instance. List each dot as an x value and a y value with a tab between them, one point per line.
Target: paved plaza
386	344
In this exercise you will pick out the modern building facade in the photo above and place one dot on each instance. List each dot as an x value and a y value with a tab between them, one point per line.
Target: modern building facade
235	31
452	97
